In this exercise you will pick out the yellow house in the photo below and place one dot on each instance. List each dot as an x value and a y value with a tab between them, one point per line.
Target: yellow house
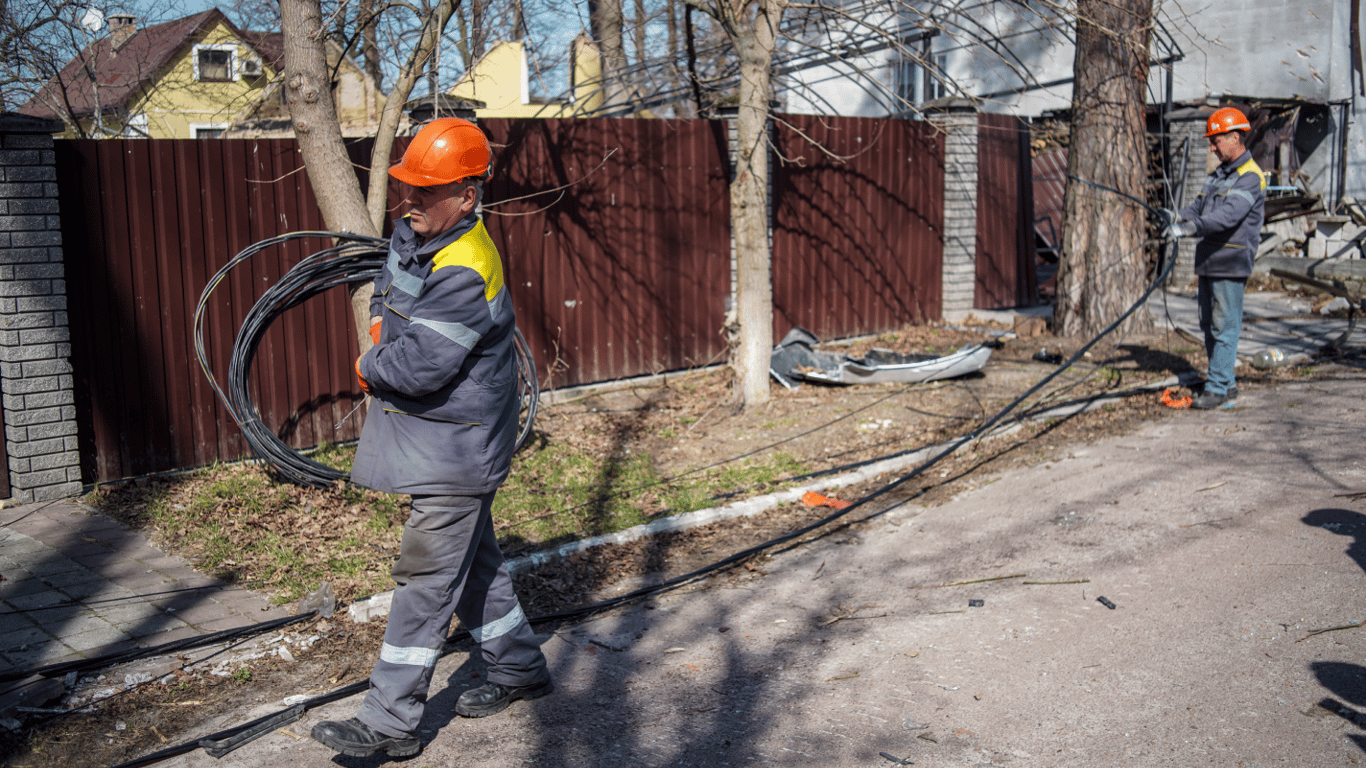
501	80
184	79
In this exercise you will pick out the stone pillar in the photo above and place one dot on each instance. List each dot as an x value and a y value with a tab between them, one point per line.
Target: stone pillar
35	342
1188	125
957	118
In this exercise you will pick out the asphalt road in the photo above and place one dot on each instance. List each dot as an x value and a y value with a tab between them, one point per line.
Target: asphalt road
1222	538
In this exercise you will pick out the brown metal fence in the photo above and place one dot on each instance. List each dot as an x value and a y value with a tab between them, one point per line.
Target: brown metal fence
1006	275
616	241
145	224
857	223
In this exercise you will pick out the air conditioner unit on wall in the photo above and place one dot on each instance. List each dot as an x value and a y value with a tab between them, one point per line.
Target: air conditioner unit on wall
250	68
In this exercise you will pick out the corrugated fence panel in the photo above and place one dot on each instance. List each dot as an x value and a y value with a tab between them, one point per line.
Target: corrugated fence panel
615	237
857	225
616	242
1005	250
145	224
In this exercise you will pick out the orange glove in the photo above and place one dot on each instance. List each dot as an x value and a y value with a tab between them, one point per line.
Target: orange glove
364	385
374	329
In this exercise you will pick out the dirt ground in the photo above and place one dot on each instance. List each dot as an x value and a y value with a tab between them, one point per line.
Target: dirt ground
683	422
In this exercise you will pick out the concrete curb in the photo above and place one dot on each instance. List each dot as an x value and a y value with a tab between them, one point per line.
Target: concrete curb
378	605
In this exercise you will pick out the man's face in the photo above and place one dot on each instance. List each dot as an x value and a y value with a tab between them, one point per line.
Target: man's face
1227	146
437	209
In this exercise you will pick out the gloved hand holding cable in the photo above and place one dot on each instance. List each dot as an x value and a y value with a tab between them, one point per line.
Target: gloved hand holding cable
1175	226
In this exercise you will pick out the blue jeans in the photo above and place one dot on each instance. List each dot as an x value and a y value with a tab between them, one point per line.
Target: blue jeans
1221	318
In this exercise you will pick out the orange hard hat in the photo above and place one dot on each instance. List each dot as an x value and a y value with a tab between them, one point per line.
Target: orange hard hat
1226	119
445	150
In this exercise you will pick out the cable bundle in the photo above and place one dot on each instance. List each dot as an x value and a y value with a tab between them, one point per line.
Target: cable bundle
355	258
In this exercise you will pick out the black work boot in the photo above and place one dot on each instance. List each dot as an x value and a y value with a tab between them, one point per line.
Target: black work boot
492	698
1208	400
354	738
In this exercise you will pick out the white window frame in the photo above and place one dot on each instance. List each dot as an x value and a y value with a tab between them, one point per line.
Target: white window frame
231	49
195	128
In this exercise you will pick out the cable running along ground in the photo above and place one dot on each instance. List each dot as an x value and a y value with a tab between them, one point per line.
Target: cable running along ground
733	559
354	259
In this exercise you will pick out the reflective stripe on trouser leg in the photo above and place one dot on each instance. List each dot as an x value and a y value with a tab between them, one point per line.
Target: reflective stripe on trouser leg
436	552
1221	318
488	607
444	543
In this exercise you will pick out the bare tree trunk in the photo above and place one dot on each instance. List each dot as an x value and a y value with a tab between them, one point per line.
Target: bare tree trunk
1102	270
370	42
754	37
605	17
308	92
432	27
518	21
638	31
477	32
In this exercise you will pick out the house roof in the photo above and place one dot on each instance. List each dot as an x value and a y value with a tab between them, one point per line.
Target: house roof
271	46
121	72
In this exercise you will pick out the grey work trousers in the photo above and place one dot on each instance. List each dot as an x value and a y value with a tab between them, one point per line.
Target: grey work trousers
449	563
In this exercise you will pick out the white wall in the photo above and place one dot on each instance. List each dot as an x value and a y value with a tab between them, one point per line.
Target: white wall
1253	48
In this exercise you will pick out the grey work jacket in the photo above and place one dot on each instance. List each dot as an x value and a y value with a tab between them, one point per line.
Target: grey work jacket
443	375
1228	215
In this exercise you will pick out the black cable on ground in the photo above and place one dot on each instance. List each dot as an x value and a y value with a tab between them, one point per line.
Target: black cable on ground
108	660
726	562
355	258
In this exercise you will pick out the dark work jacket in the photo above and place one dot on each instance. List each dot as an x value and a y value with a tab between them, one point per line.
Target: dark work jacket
1228	215
443	375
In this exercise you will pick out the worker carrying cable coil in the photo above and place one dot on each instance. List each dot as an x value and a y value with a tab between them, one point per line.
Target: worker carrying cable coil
443	425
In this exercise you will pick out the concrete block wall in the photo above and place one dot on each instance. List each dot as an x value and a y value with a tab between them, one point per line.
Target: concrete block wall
958	121
36	381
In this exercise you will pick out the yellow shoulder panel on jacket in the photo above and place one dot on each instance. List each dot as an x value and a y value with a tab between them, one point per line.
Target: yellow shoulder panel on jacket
1251	165
474	249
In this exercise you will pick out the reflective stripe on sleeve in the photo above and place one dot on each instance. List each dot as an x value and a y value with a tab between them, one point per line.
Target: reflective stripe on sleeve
413	657
457	332
501	627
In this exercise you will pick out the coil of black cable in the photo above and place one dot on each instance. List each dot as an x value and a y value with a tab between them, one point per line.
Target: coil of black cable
354	258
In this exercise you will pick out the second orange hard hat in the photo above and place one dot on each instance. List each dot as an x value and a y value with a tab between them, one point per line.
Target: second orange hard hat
1226	119
445	150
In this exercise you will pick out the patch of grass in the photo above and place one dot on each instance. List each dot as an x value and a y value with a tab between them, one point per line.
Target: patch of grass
561	495
240	524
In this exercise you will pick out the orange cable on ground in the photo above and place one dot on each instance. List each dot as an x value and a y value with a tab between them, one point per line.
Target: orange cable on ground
1174	402
813	499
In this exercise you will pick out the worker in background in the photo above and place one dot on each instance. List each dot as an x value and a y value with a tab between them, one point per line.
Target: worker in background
442	428
1227	216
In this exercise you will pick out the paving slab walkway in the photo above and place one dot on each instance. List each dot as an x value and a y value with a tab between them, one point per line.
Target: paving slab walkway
75	584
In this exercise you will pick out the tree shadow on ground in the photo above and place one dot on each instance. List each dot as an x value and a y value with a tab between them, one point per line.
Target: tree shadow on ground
1343	522
1348	683
1148	359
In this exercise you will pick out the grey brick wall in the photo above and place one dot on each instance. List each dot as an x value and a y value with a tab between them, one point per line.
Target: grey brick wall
1183	274
35	350
959	124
